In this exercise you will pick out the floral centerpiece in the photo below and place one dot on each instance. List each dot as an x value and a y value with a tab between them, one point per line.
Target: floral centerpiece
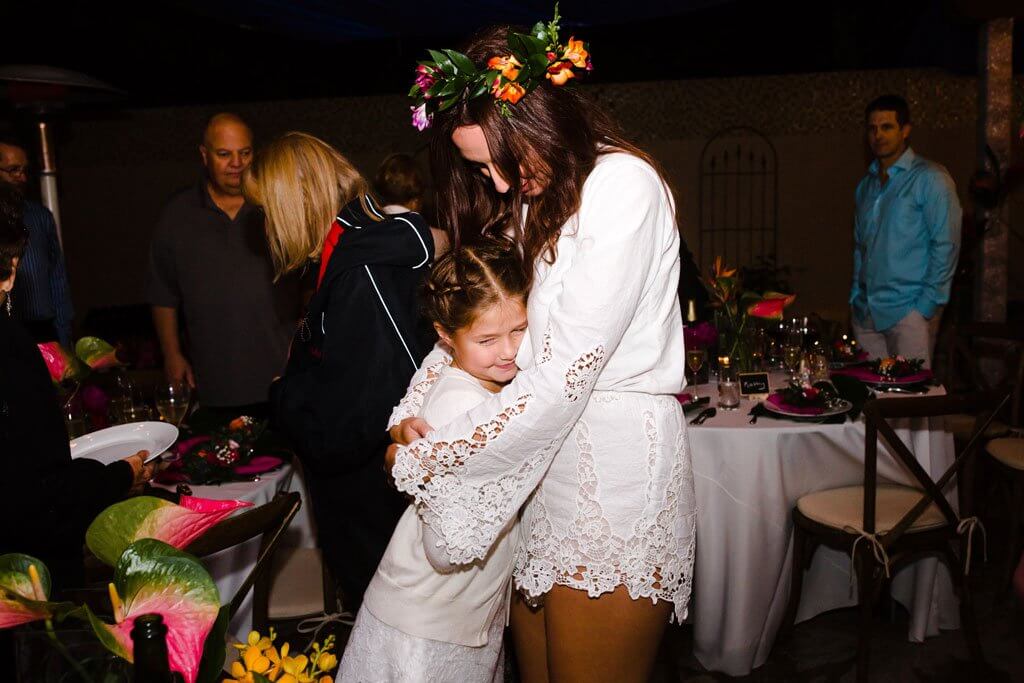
142	540
226	454
894	367
734	307
80	376
846	350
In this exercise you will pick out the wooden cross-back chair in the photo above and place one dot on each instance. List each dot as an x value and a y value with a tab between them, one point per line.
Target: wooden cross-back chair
884	527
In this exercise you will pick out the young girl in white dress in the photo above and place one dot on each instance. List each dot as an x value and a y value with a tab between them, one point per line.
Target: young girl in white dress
424	618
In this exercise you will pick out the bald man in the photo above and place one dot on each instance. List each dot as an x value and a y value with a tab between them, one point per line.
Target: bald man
210	268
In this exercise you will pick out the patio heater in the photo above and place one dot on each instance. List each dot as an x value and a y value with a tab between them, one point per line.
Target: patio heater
40	91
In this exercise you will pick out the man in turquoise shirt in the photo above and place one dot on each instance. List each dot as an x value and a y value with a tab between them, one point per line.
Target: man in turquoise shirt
906	240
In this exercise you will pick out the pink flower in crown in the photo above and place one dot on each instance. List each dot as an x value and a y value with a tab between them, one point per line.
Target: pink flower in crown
424	78
420	117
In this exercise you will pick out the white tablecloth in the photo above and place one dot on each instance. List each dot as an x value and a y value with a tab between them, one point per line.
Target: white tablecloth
230	567
748	479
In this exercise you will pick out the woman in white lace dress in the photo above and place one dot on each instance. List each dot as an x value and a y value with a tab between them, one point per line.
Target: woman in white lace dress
588	440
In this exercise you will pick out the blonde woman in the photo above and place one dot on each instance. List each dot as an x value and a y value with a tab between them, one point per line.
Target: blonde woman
356	348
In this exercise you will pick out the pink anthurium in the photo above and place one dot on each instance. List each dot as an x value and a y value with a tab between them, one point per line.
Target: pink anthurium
153	578
122	523
60	364
24	589
771	305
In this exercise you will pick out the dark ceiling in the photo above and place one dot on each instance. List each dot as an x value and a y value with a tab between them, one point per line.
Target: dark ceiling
194	51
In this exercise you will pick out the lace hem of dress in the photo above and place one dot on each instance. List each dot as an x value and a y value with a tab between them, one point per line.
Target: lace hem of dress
654	561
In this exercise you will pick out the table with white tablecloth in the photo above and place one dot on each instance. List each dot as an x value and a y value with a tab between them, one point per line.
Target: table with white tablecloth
748	478
230	567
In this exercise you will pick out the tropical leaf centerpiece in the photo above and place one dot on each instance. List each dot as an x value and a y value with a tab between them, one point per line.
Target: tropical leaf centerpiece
228	453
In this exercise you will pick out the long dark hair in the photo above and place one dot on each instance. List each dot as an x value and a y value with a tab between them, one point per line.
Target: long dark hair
556	134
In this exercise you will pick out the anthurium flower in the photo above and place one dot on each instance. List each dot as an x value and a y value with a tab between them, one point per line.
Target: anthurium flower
153	578
122	523
560	72
60	364
510	92
771	306
576	53
508	66
96	353
24	589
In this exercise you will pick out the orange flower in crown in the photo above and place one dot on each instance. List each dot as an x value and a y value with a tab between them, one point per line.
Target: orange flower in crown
576	53
560	72
450	77
508	66
510	92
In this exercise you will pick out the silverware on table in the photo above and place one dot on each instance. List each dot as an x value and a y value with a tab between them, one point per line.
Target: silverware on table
901	390
705	414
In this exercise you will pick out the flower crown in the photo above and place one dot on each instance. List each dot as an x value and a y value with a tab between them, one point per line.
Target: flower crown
448	76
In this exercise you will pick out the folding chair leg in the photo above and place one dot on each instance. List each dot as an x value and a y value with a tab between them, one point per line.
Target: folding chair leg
795	585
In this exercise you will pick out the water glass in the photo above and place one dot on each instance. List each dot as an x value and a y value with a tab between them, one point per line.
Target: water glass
791	356
728	386
172	401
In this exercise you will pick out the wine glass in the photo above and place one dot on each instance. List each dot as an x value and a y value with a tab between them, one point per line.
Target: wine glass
172	402
695	361
791	356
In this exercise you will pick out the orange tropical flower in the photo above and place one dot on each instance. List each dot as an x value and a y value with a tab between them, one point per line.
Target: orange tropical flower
575	53
560	72
508	66
510	92
721	270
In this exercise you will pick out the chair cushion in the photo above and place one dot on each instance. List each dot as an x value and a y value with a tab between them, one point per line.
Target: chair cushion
844	507
1009	451
961	426
296	584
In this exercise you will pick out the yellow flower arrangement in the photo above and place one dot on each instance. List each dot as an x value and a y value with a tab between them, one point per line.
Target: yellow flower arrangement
260	661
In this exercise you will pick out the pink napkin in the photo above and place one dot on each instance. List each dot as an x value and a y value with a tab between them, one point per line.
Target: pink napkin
777	401
259	464
684	398
866	375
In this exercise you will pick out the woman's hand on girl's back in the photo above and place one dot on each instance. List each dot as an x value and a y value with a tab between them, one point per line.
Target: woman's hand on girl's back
410	429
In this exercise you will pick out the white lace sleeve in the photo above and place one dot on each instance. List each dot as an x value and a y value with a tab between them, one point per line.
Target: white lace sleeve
471	476
420	384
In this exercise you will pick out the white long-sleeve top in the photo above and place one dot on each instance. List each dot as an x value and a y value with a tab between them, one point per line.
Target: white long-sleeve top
604	316
415	588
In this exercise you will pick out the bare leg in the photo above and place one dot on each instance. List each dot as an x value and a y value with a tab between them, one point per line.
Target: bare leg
528	634
611	638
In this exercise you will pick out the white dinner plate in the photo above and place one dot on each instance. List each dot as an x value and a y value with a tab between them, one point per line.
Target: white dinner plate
114	443
843	407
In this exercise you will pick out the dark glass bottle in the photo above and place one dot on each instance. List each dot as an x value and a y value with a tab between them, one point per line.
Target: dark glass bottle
149	636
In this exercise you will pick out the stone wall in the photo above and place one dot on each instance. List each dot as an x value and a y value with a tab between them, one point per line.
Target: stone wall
118	168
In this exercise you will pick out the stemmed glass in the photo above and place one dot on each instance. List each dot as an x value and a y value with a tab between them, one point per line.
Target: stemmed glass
172	402
791	357
695	361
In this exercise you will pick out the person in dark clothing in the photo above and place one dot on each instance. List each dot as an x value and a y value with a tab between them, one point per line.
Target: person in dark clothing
691	286
356	348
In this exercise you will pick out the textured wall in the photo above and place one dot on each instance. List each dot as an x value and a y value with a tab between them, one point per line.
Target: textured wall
117	169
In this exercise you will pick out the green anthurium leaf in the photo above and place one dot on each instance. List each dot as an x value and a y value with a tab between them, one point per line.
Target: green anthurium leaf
14	575
96	353
155	578
212	664
127	521
461	62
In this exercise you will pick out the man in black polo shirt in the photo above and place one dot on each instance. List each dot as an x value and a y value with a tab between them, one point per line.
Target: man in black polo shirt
210	267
